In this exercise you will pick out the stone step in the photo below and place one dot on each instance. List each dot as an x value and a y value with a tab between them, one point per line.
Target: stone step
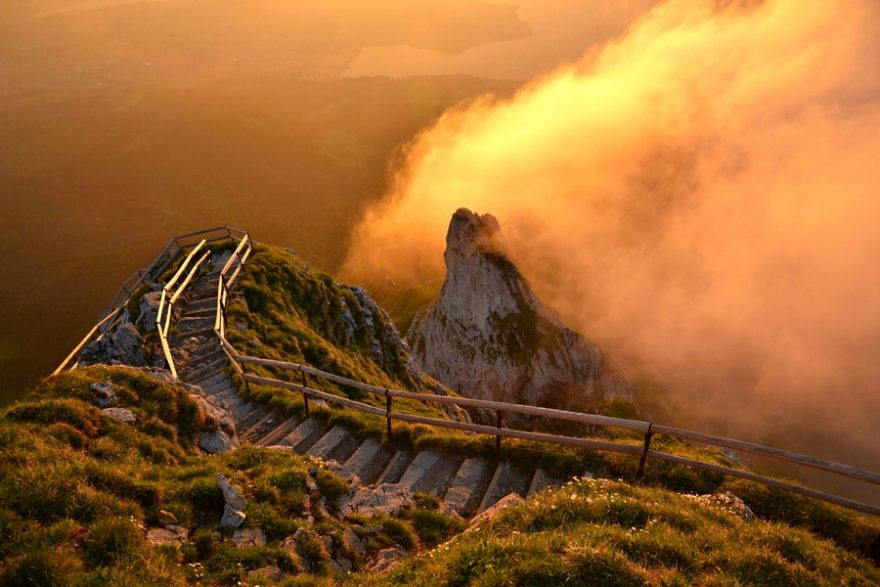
202	370
252	418
262	427
213	379
508	479
190	313
207	372
336	445
367	463
396	467
194	298
541	481
200	324
191	338
200	351
183	335
218	388
206	355
205	304
279	432
239	412
430	471
205	286
469	486
231	398
305	435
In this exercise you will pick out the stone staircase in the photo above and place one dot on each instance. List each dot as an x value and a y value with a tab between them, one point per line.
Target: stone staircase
467	486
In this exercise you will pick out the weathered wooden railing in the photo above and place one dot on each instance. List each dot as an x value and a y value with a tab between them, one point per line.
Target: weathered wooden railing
643	450
169	298
231	271
115	311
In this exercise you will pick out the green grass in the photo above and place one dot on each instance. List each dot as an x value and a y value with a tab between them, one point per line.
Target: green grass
79	489
610	533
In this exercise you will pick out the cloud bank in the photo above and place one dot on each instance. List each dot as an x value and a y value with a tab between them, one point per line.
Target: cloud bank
700	197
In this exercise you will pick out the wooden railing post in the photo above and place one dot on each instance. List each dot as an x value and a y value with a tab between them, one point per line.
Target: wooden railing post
388	412
305	395
498	436
247	384
644	456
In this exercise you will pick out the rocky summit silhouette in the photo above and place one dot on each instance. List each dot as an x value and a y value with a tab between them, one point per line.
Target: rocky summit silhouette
490	337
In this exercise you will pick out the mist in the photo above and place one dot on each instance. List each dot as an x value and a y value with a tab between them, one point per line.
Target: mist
698	196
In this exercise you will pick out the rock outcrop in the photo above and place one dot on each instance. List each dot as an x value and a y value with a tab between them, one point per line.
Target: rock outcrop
123	345
489	337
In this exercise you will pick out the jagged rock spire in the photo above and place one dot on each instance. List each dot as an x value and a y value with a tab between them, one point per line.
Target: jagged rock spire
489	337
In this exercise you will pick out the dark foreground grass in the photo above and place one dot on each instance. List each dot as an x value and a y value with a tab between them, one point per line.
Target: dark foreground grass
608	533
79	490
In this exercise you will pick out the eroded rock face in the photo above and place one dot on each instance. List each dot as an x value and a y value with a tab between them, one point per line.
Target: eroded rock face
489	337
224	437
124	345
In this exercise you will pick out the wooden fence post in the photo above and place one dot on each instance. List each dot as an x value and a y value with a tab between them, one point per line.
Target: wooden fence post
305	395
498	436
388	411
644	456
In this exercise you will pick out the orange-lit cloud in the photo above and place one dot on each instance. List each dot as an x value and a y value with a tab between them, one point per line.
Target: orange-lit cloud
700	197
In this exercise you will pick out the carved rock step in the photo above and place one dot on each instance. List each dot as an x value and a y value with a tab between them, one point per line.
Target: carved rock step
430	471
252	418
262	427
396	467
214	379
541	481
367	463
336	445
305	435
279	432
469	486
508	478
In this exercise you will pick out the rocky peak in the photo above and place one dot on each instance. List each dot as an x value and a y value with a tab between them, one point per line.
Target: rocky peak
489	337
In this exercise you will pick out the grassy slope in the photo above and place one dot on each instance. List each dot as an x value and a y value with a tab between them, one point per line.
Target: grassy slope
609	533
78	489
290	306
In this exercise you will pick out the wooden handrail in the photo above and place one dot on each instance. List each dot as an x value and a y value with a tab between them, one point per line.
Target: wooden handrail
775	453
83	342
170	283
647	428
721	470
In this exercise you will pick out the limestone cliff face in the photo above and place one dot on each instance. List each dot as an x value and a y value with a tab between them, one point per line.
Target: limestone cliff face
489	337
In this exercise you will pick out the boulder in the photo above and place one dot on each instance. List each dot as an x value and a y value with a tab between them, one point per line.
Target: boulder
489	514
162	537
387	558
233	512
166	518
123	345
232	518
735	505
149	309
341	564
269	573
375	500
223	437
231	496
292	544
249	537
353	543
123	415
104	393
